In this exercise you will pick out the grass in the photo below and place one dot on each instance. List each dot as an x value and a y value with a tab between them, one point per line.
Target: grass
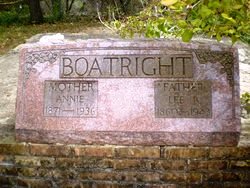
15	34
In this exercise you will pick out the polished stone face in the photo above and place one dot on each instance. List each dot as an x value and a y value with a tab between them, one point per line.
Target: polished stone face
143	92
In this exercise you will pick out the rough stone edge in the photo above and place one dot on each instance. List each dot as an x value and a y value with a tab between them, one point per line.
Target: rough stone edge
129	138
196	44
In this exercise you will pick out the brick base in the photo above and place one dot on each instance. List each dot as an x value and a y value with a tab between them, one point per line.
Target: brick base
44	165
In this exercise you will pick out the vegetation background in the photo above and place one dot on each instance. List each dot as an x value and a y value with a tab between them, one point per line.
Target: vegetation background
21	19
208	18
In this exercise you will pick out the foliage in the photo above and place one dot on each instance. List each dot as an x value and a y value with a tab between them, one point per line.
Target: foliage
16	15
245	98
245	101
213	18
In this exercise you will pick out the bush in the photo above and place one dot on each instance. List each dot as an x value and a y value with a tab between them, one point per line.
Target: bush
245	102
16	15
185	18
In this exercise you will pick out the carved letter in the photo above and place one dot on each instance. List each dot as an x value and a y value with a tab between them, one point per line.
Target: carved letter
143	66
183	63
67	65
111	64
170	68
95	68
79	64
127	66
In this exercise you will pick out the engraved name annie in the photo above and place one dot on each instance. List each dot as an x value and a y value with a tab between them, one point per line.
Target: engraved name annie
75	98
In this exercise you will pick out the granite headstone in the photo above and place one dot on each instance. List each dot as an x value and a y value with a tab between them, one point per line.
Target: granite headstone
129	92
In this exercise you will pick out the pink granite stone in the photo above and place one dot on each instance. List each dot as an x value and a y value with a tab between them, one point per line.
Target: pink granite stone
119	108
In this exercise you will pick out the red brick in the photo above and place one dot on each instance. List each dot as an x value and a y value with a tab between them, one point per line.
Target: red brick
217	165
28	172
6	160
158	186
235	185
136	176
8	170
210	185
185	153
176	177
213	176
130	164
45	172
62	173
230	152
86	185
128	176
84	163
27	161
112	185
104	163
246	178
34	183
94	151
240	165
7	181
107	176
211	165
148	177
193	177
37	172
137	152
168	164
232	176
14	149
34	161
85	175
72	184
98	175
50	150
74	162
197	165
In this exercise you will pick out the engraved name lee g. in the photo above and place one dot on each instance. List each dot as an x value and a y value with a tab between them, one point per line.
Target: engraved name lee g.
183	99
99	66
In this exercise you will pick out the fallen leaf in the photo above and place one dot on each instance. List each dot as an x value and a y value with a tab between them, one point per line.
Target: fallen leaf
168	2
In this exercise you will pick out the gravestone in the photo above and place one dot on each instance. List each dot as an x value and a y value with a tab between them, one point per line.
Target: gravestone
140	92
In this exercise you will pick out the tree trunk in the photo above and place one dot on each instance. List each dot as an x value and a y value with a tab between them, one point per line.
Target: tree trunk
69	5
36	15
